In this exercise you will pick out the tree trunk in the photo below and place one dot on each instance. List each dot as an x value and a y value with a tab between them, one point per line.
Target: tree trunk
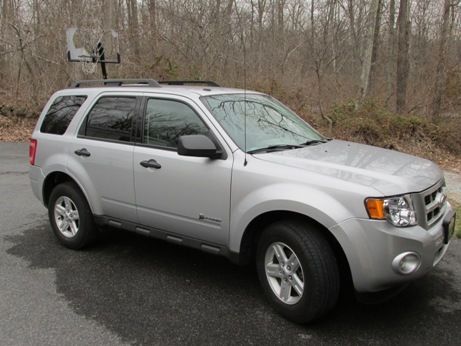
440	78
403	65
4	16
351	15
374	53
261	11
133	26
370	48
152	7
390	75
108	25
312	22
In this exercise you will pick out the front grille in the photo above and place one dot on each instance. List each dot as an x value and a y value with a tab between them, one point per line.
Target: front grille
434	203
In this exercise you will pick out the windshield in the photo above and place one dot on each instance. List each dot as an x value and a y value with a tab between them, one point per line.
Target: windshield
269	123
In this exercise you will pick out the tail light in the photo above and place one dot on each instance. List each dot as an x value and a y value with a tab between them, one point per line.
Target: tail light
32	151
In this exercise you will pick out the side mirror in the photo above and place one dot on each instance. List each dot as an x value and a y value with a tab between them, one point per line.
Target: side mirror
197	145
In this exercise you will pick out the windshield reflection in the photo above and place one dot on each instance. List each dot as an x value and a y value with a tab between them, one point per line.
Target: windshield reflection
268	122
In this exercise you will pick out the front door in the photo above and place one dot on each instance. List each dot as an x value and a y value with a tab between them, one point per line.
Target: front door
187	196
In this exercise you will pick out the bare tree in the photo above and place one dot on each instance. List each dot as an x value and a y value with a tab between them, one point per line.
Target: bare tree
371	47
440	78
133	26
390	73
314	54
403	64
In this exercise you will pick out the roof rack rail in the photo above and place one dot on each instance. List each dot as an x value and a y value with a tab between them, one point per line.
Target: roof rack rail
116	82
184	82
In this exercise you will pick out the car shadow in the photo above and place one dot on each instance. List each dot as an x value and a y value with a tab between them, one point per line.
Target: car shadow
148	291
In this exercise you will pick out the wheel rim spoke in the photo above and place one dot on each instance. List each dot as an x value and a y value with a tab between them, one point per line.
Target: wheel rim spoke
73	227
285	290
293	262
273	270
60	210
297	284
64	226
278	249
67	203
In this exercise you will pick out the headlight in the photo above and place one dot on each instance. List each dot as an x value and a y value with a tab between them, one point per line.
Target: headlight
398	210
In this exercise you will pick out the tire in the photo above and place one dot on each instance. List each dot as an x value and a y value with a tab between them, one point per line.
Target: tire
318	270
73	207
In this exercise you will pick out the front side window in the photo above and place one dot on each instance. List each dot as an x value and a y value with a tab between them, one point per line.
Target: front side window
167	120
61	113
268	122
111	118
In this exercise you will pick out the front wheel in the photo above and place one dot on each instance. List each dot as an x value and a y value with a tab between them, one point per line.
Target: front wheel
298	270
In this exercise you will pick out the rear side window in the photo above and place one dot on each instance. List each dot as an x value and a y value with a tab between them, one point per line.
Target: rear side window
167	120
111	118
61	113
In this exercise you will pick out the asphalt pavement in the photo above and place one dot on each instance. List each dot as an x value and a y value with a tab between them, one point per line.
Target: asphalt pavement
128	289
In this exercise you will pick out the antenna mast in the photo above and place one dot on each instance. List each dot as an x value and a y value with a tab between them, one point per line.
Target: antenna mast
245	162
242	40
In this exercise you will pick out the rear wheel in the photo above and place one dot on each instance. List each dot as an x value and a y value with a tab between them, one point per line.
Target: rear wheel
70	216
298	270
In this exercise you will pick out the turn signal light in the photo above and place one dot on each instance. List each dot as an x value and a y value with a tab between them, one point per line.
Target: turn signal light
375	208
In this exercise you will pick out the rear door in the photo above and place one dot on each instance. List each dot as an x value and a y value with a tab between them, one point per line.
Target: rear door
104	151
188	196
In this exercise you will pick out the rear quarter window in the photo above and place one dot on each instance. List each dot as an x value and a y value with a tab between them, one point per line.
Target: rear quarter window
61	113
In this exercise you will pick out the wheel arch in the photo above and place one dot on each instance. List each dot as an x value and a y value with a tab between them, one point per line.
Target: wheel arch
255	228
55	178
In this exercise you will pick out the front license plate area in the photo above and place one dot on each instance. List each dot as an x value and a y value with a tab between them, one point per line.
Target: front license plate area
449	229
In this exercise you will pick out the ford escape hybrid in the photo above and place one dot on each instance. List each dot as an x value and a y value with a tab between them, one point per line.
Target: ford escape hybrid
238	174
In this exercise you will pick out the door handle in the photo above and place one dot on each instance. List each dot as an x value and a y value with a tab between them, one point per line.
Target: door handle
151	164
82	152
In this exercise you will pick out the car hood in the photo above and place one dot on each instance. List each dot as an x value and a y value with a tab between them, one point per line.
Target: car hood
389	172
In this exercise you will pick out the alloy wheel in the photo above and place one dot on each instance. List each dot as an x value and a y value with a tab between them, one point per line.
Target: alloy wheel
66	216
284	273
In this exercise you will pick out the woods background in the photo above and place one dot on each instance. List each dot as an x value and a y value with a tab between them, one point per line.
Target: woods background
385	72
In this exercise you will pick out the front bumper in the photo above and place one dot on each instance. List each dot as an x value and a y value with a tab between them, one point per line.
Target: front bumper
371	246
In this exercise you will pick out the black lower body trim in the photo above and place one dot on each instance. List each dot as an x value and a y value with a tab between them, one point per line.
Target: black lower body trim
216	249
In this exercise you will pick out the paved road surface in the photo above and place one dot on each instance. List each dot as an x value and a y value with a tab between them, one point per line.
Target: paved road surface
135	290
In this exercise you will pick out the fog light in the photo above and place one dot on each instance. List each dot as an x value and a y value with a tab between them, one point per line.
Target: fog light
406	263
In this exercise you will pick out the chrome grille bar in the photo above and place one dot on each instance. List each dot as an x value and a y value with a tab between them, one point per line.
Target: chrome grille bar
434	203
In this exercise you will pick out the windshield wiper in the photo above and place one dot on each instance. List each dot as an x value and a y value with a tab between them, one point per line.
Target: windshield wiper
275	148
315	141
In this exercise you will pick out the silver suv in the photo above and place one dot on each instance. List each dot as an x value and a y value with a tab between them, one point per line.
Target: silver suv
236	173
